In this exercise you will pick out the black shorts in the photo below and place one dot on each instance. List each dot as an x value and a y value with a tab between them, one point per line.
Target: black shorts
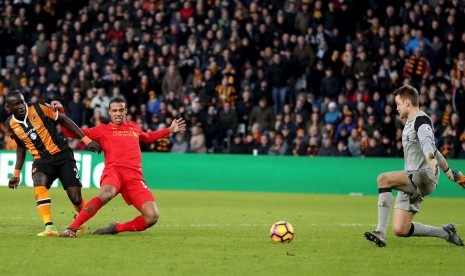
62	166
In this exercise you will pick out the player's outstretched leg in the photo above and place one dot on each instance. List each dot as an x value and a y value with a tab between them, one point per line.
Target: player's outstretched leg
376	237
81	229
453	238
109	230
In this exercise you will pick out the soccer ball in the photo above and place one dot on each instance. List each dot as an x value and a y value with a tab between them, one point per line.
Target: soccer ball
282	232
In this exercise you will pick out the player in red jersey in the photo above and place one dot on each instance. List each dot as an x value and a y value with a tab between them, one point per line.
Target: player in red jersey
123	172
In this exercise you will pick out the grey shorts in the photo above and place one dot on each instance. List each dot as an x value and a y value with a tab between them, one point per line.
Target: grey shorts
421	184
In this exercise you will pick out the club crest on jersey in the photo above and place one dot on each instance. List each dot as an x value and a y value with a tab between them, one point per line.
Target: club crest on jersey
33	117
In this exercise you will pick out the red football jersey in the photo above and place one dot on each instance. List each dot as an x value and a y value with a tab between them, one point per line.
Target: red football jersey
120	143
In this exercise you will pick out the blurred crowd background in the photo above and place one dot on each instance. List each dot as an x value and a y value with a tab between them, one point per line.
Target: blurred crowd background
267	77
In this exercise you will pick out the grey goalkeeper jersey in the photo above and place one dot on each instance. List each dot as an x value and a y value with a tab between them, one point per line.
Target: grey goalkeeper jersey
418	141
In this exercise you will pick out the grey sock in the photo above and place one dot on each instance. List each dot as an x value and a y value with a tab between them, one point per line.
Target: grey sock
422	230
384	211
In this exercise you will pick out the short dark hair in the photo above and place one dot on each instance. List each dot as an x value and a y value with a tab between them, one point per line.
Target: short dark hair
117	100
408	92
13	93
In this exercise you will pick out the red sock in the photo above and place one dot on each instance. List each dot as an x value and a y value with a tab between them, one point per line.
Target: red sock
89	210
138	224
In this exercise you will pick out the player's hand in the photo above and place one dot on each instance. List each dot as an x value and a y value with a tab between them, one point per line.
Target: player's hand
14	182
95	147
433	164
459	178
177	125
56	105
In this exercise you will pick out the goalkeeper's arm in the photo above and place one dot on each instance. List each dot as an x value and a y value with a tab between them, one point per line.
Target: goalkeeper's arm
454	175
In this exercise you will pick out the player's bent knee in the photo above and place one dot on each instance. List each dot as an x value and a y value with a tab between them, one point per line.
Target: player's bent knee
76	199
105	196
152	218
39	179
382	180
400	231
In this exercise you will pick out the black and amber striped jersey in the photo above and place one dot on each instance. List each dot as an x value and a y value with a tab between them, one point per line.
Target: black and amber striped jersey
37	132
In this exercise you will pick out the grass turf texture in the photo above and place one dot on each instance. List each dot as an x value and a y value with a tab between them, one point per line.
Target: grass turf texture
226	233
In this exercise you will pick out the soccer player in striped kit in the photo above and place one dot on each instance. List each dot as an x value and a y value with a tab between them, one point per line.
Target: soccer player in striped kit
33	127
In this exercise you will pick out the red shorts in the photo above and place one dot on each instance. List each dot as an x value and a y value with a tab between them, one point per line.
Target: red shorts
129	183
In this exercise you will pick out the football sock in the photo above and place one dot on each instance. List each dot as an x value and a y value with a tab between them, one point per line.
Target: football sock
422	230
79	207
89	210
138	224
384	209
43	203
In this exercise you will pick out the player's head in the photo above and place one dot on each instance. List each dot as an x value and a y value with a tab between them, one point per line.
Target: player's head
406	98
117	110
15	104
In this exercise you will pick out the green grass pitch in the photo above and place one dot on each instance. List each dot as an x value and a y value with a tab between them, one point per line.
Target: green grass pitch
226	233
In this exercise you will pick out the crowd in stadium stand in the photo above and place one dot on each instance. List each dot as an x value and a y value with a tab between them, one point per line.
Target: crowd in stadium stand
295	77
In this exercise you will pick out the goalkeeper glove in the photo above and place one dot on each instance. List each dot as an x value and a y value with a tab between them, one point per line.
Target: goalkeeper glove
456	176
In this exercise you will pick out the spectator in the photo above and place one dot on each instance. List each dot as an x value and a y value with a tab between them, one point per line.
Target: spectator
100	104
374	149
76	110
228	121
417	69
262	114
353	143
279	147
341	149
346	126
327	148
329	85
333	115
244	107
197	142
277	77
226	93
264	145
363	69
180	144
237	145
153	104
172	81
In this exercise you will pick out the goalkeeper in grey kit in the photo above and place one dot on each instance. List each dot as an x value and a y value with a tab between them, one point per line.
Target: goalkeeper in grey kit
418	179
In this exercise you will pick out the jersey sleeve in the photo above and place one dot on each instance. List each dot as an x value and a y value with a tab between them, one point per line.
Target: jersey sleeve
425	135
152	136
49	112
8	129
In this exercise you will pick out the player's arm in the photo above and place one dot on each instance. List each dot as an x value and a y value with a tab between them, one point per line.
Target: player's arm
57	106
20	157
426	136
454	175
152	136
72	129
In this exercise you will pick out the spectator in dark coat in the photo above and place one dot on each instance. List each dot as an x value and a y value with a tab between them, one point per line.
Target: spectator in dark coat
263	115
76	110
330	86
